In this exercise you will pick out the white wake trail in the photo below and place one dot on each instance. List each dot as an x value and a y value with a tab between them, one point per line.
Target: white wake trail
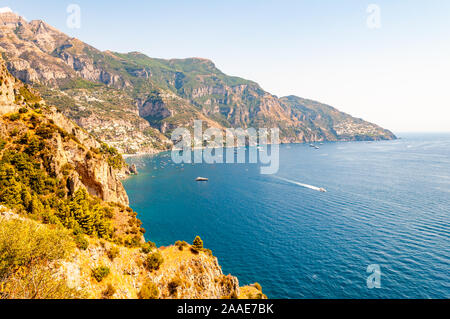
319	189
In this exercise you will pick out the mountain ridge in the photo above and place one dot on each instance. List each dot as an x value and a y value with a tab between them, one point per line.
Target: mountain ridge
134	102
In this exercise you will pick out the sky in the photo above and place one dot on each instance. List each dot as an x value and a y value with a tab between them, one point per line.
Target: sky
386	61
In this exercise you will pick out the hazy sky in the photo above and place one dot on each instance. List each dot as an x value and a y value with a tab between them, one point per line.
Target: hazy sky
395	73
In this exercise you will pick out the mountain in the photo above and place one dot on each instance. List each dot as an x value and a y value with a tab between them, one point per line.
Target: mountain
66	230
134	102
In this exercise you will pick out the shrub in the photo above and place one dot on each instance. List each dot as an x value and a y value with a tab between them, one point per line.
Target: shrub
173	285
81	242
154	261
108	212
26	249
14	117
26	242
100	273
23	110
113	252
148	247
198	243
194	251
66	169
132	241
181	245
109	292
149	291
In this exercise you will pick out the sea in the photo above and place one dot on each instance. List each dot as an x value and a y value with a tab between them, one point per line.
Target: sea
381	229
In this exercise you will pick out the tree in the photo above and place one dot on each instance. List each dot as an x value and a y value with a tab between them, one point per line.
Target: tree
10	188
198	243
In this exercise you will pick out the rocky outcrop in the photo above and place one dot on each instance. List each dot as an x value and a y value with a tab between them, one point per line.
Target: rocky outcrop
7	93
198	276
91	172
182	275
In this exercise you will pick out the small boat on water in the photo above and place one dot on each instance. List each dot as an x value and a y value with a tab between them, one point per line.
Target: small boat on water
323	190
202	179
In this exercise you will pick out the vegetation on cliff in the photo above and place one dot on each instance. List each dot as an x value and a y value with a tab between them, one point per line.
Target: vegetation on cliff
30	184
65	228
26	252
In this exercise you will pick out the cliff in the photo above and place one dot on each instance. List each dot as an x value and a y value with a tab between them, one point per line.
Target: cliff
68	145
65	228
133	102
183	274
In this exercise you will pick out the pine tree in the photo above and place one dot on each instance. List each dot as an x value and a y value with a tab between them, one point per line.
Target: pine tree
36	206
10	188
198	243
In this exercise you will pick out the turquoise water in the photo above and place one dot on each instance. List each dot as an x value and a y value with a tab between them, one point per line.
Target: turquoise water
388	203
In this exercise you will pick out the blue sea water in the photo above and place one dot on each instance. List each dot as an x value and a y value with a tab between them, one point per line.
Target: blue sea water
388	203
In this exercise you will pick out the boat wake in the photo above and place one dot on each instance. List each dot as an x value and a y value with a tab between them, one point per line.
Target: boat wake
319	189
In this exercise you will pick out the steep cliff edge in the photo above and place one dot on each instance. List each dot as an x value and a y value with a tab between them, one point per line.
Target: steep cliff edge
105	270
65	228
67	144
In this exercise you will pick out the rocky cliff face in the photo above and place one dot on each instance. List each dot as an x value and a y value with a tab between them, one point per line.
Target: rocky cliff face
182	275
38	54
134	102
7	95
70	146
66	155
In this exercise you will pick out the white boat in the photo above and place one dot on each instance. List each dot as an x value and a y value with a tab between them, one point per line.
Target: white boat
201	179
323	190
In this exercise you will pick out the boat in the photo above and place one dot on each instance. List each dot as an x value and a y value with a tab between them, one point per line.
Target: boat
323	190
316	147
201	179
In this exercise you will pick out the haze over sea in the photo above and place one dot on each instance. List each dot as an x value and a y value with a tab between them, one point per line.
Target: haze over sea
388	203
